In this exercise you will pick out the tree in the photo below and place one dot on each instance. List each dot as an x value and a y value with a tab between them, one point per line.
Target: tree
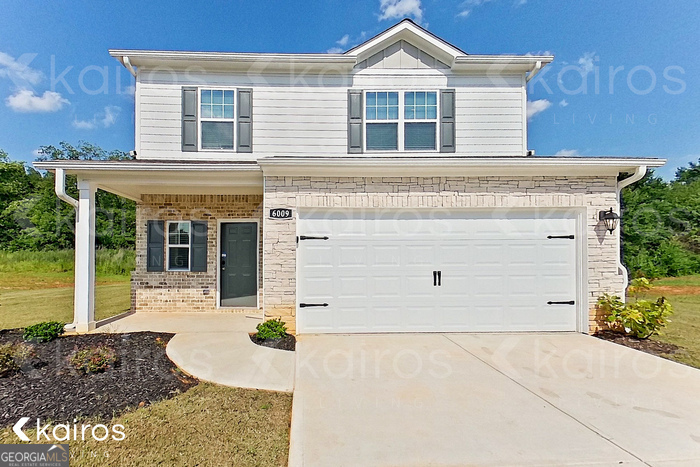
32	217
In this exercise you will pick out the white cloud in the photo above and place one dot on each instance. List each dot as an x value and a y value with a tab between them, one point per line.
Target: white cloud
539	53
536	107
18	70
567	152
520	2
586	62
563	103
26	101
335	50
130	90
343	40
395	9
104	119
463	13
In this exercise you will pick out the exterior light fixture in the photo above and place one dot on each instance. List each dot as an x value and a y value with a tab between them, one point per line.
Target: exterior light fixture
610	218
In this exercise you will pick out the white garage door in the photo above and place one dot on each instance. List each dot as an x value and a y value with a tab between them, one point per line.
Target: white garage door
408	272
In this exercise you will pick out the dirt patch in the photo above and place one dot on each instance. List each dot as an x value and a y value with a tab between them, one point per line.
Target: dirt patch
287	342
51	388
676	290
661	349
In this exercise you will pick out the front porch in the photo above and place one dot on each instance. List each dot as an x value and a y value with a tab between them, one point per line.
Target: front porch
205	193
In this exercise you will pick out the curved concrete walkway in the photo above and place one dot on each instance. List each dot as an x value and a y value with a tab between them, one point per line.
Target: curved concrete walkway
215	347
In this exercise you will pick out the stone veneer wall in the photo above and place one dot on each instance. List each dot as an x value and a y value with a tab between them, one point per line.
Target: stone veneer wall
592	193
187	291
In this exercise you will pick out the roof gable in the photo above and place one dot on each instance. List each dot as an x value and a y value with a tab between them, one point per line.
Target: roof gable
401	54
407	32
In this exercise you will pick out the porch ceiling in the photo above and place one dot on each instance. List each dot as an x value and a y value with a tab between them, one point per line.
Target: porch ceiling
133	179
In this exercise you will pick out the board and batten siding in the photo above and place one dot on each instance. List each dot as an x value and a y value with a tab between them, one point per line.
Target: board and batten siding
307	115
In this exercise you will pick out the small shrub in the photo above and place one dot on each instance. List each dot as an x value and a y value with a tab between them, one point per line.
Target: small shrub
43	332
14	357
94	359
639	318
271	329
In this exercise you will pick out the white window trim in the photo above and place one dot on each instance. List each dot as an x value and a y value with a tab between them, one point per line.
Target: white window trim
201	119
401	121
168	246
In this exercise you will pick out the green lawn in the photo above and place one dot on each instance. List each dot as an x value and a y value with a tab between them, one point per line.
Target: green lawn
207	425
684	328
37	286
21	308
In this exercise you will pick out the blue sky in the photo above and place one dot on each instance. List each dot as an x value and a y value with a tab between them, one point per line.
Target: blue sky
50	54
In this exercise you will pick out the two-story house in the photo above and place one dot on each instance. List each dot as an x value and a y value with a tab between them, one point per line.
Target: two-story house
386	189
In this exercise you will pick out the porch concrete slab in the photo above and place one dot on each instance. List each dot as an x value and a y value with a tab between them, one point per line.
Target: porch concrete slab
422	399
644	404
216	347
177	322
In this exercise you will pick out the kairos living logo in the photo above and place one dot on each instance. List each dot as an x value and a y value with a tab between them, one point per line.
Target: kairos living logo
67	432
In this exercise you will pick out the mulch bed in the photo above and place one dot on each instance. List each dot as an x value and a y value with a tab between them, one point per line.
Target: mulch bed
287	342
51	388
660	349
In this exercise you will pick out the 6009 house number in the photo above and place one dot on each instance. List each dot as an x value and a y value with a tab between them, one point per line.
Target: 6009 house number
280	213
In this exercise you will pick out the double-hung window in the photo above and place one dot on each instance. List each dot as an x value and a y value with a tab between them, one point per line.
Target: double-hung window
178	246
217	118
401	121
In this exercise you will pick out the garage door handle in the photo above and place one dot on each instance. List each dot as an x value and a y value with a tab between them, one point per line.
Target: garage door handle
570	302
307	305
434	278
439	278
570	237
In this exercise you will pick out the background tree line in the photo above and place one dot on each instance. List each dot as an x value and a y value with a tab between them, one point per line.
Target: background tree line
660	224
33	218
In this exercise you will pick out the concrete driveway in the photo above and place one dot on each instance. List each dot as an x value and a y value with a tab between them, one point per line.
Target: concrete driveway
496	400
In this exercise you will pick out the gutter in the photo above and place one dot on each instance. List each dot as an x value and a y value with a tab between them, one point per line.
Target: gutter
127	64
533	73
638	174
60	187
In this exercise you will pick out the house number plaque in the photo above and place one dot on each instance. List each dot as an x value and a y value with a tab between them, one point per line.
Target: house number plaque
280	213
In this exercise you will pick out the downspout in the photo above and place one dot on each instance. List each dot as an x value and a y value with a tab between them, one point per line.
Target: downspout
127	64
638	174
60	187
533	73
60	179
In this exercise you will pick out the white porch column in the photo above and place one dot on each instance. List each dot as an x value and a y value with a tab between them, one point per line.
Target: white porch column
84	306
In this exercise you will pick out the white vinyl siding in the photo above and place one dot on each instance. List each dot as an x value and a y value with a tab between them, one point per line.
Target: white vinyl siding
307	115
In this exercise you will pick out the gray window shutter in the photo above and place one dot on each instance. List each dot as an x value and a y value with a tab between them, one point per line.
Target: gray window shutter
354	121
198	247
447	120
245	120
155	246
189	119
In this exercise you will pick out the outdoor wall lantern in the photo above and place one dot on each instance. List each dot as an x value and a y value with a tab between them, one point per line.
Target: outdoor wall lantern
610	218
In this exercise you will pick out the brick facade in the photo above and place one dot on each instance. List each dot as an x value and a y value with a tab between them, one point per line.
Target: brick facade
188	291
591	193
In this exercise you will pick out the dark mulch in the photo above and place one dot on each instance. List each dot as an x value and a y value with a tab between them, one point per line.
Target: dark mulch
660	349
288	342
50	388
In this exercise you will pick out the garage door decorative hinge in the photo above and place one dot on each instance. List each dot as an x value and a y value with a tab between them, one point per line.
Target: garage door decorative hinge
306	237
307	305
570	302
570	237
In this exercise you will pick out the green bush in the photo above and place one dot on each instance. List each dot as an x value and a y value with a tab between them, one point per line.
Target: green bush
639	318
13	357
43	332
93	359
271	329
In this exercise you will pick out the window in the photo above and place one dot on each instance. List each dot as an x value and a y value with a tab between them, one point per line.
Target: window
407	124
217	118
178	246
